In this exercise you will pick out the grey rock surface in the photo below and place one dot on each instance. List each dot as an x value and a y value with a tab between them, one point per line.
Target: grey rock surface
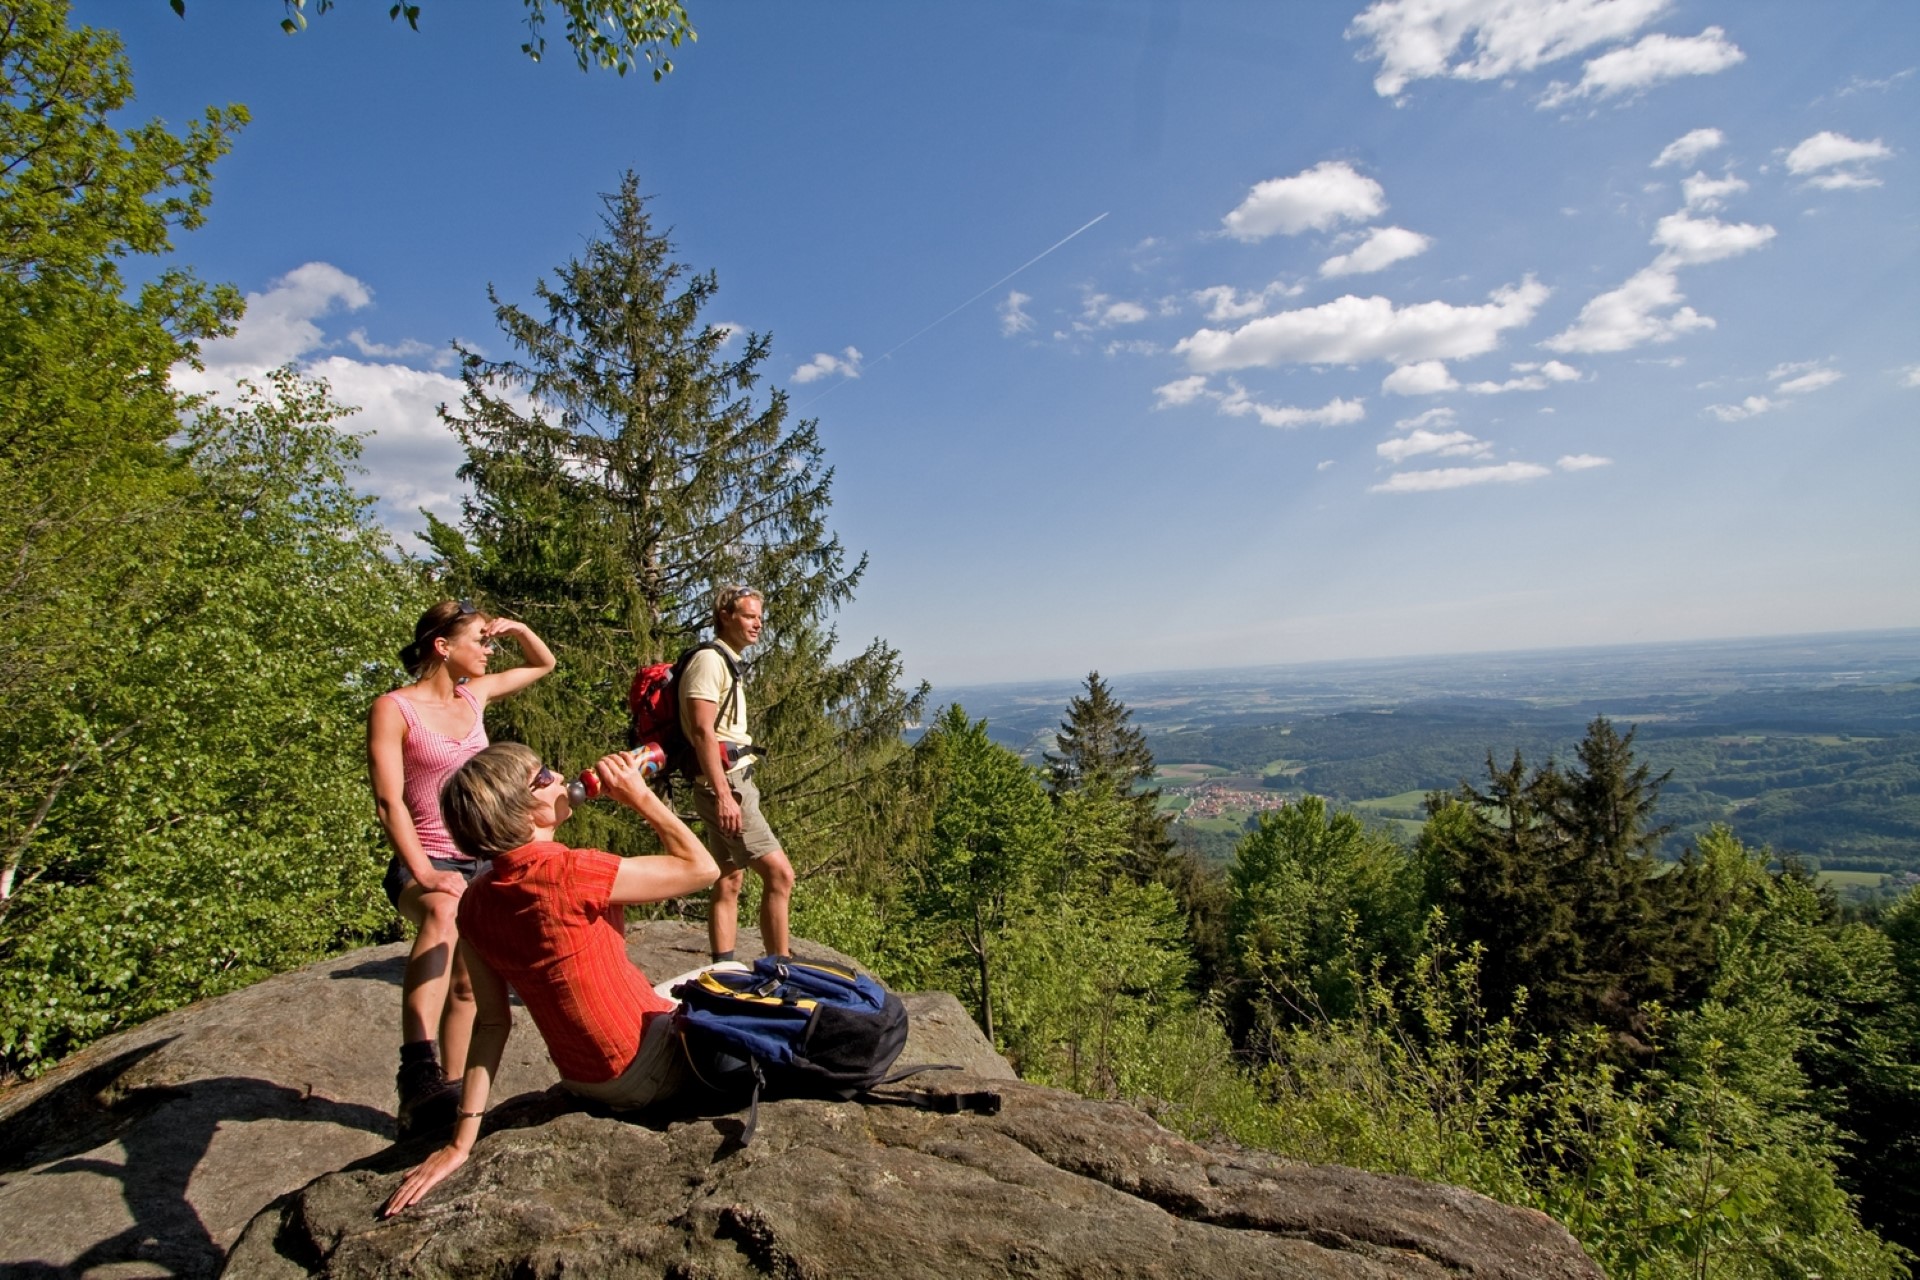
251	1136
147	1153
1053	1186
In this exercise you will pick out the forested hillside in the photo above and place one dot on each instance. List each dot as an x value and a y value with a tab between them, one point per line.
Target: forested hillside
1830	773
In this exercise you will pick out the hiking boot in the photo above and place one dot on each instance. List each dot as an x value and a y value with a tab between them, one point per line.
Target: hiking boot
428	1100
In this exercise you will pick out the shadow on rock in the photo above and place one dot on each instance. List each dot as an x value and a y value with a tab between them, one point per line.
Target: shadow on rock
388	969
83	1113
159	1159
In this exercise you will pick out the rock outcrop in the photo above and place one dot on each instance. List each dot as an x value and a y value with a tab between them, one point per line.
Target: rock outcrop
253	1134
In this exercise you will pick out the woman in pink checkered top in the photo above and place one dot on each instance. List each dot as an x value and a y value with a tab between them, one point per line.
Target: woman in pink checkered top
416	737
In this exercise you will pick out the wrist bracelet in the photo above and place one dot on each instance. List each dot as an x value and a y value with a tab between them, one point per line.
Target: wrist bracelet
470	1115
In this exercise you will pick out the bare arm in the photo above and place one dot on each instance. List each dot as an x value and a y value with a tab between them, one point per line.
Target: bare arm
684	867
540	661
697	723
493	1021
386	748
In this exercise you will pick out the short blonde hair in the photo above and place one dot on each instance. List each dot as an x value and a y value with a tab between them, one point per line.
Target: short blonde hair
727	600
487	804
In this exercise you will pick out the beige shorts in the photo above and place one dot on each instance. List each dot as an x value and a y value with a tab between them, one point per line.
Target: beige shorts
756	838
659	1070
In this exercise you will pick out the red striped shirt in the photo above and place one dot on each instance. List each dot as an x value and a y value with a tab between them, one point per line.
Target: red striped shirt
542	919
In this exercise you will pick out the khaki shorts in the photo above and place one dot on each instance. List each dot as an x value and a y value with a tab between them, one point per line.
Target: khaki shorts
756	838
659	1069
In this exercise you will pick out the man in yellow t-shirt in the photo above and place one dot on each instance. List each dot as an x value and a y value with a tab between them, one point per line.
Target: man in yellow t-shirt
713	715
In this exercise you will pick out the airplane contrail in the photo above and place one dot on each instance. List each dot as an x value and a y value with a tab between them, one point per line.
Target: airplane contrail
963	306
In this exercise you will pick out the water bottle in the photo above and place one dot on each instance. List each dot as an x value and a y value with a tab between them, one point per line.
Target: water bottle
648	756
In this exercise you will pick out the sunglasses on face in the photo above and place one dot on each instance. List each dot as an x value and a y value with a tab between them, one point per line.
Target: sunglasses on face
545	778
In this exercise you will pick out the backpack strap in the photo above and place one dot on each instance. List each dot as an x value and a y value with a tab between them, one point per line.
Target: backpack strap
732	694
979	1102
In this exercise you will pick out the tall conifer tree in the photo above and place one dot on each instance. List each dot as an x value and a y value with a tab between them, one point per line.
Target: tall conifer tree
623	467
1098	749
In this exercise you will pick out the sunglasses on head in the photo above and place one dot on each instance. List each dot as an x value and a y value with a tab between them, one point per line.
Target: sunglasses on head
420	646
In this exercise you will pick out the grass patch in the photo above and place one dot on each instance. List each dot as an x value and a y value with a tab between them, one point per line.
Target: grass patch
1180	775
1853	879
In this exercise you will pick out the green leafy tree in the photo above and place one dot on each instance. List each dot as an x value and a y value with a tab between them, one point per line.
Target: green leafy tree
621	469
1099	963
88	531
992	847
1314	899
1753	1174
222	831
615	34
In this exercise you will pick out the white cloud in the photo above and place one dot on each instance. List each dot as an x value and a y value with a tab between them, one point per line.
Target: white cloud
1459	477
1689	147
1013	314
1803	377
279	324
1582	462
1326	464
1449	444
728	331
408	453
1751	407
1237	403
1861	84
1427	378
1688	241
1100	311
1441	417
1909	375
1824	150
1706	193
1383	247
1416	39
1224	302
1534	377
1312	200
404	349
1843	180
1644	309
1351	329
1183	391
1655	59
825	365
1835	162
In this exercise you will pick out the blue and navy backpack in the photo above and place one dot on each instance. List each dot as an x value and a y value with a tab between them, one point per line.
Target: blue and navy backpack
798	1030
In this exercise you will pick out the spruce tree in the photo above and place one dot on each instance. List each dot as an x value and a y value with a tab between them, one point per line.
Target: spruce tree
623	466
1496	856
1098	749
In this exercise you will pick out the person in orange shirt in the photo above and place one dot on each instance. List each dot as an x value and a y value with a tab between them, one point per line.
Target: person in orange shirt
549	922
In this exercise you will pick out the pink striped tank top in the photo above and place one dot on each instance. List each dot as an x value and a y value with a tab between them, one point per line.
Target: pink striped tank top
428	758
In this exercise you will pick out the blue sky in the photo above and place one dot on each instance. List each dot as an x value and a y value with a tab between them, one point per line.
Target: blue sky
1399	328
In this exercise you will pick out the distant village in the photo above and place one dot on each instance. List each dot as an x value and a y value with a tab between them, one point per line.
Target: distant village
1216	800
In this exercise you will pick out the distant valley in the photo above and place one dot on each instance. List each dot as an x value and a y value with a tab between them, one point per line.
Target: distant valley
1808	744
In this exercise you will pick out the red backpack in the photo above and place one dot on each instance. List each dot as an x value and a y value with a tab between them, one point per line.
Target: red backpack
653	705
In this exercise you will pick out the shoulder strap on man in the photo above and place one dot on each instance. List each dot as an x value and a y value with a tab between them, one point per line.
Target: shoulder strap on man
733	669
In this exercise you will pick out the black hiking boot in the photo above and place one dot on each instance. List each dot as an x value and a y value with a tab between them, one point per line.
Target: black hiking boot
428	1100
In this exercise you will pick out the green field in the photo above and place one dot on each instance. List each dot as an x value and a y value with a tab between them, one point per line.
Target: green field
1408	805
1185	775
